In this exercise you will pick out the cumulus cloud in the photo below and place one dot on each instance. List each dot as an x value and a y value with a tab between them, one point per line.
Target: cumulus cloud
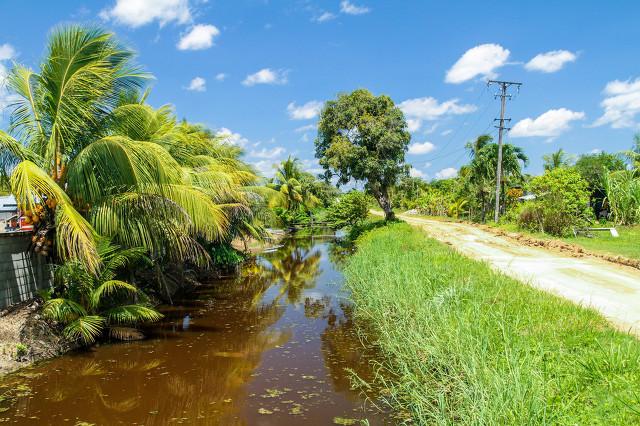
231	138
136	13
221	76
199	37
550	124
621	104
353	9
447	173
304	112
419	109
265	167
308	127
266	76
550	61
482	60
268	153
198	84
421	148
413	172
324	17
6	52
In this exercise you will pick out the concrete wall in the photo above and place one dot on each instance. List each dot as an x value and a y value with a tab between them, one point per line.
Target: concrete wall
22	274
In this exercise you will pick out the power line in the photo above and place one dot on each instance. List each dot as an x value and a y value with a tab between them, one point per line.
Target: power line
503	95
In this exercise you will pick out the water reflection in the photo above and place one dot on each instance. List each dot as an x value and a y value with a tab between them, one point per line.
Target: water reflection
267	347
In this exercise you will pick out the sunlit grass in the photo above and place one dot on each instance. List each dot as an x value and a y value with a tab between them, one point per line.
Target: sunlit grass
466	345
627	244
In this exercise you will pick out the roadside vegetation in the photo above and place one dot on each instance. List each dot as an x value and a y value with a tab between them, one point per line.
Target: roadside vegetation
462	344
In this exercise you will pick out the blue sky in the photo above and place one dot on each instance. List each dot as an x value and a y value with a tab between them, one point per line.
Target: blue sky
258	70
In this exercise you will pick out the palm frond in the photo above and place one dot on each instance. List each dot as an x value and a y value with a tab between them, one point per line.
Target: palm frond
86	328
132	314
62	310
108	288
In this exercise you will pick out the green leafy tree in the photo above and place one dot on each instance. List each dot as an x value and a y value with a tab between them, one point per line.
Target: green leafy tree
349	210
562	202
364	137
594	168
89	304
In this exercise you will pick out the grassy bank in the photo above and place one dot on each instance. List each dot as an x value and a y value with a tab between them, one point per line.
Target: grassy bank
625	245
463	344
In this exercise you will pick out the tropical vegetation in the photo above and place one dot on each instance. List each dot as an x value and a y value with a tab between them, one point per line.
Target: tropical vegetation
463	344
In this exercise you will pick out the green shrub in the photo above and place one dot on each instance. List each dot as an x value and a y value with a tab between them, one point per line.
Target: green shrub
349	210
623	196
21	351
224	255
562	203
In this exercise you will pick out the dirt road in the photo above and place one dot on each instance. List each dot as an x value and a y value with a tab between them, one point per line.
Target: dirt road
611	289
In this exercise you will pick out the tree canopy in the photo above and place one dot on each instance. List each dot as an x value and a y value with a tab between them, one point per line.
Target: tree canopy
363	137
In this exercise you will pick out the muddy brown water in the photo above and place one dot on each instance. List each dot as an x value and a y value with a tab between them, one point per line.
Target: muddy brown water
269	346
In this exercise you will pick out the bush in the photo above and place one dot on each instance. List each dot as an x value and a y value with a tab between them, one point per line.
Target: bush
349	210
562	203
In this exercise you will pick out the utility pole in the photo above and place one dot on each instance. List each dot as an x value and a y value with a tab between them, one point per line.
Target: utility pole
504	86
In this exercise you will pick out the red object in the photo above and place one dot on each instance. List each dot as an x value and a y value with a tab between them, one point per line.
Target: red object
24	226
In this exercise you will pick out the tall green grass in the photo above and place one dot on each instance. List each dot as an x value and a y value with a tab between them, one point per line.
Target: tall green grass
462	344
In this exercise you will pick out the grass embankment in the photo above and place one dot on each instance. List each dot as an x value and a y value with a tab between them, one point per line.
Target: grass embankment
602	242
464	344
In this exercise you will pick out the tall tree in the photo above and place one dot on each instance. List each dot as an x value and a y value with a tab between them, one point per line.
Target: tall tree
364	137
555	160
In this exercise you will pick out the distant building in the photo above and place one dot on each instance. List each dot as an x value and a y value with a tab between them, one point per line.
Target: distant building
8	211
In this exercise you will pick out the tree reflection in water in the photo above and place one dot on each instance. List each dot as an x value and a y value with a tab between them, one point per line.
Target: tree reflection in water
204	370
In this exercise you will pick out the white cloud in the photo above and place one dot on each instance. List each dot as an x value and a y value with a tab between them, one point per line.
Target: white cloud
418	109
266	76
304	112
421	148
265	167
481	60
199	37
6	98
595	151
352	9
427	165
550	124
447	173
312	166
413	124
413	172
6	52
221	76
550	61
232	138
308	127
136	13
268	153
621	104
198	84
324	17
446	132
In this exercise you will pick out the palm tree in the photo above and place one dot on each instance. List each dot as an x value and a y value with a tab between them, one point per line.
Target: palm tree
482	171
294	185
555	160
87	156
92	303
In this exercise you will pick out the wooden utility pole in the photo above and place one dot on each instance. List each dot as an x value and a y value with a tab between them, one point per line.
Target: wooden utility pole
504	86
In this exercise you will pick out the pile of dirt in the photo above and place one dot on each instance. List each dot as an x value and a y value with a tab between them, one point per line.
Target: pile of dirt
25	337
572	249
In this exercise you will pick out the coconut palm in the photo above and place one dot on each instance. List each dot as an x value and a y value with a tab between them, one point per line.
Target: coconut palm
555	160
91	303
87	156
294	185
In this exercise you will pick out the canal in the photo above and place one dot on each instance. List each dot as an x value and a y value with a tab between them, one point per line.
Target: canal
274	344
